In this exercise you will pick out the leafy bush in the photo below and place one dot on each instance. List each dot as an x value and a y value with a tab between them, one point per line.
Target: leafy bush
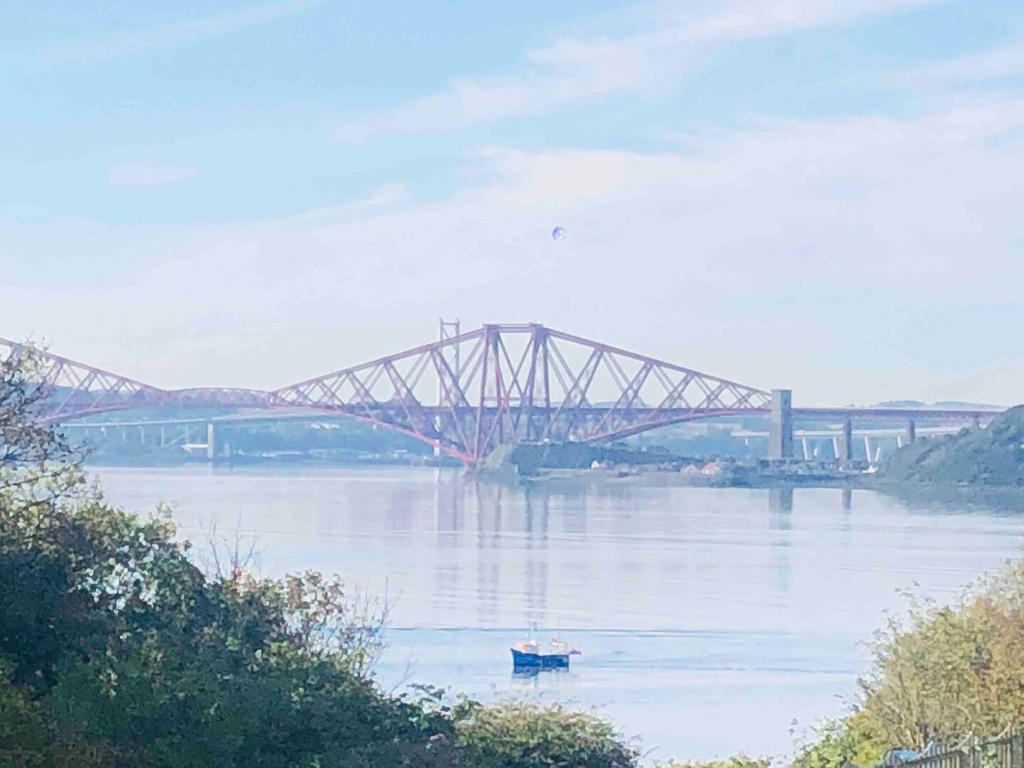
851	739
947	672
942	674
114	644
519	735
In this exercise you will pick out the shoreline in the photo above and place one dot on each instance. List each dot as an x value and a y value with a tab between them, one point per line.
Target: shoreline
918	490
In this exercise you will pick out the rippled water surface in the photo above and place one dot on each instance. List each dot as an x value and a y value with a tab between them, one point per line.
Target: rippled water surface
709	619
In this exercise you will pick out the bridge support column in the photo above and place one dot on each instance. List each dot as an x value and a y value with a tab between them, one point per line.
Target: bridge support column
780	427
211	443
911	431
844	444
807	451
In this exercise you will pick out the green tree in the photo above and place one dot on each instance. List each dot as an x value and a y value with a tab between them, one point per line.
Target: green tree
948	672
36	461
941	674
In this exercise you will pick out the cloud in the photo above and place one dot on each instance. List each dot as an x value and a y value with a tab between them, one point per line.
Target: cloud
564	76
99	49
572	71
854	259
148	173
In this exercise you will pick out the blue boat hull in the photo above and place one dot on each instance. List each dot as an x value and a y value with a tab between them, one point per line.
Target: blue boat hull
521	660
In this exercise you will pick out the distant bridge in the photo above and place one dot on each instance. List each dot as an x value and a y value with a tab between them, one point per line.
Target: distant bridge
837	437
470	392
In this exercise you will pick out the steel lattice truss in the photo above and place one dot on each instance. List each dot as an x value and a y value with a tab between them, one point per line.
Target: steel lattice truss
82	390
466	394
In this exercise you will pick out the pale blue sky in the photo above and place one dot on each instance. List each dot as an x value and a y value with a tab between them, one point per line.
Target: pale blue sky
822	194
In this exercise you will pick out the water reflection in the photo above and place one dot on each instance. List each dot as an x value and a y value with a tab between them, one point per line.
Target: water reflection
489	512
450	522
533	677
780	501
537	509
562	556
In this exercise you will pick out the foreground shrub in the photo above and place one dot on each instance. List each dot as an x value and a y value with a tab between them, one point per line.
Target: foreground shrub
514	735
942	674
115	648
851	739
949	672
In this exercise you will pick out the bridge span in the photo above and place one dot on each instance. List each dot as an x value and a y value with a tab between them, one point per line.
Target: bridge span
470	392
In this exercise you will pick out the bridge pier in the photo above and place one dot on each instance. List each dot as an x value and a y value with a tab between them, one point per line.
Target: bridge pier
911	431
844	445
211	443
780	429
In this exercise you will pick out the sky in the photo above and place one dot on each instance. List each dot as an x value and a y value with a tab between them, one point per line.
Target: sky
824	195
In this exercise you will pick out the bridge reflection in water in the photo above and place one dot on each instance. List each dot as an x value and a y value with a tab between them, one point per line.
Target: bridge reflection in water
516	524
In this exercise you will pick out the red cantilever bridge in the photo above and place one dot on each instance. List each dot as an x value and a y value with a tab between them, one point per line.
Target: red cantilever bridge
470	392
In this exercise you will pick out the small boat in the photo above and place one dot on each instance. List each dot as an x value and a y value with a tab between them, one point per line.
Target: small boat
530	656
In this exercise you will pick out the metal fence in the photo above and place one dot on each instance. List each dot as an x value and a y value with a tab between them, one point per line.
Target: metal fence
1002	753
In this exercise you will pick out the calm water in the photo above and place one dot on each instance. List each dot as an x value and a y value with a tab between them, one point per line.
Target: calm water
710	619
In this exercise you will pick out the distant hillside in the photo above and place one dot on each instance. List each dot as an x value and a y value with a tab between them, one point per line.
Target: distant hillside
992	456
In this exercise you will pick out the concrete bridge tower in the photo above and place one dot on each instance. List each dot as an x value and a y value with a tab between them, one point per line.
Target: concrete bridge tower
780	425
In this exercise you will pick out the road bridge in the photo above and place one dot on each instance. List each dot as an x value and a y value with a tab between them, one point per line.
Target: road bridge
468	393
810	439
